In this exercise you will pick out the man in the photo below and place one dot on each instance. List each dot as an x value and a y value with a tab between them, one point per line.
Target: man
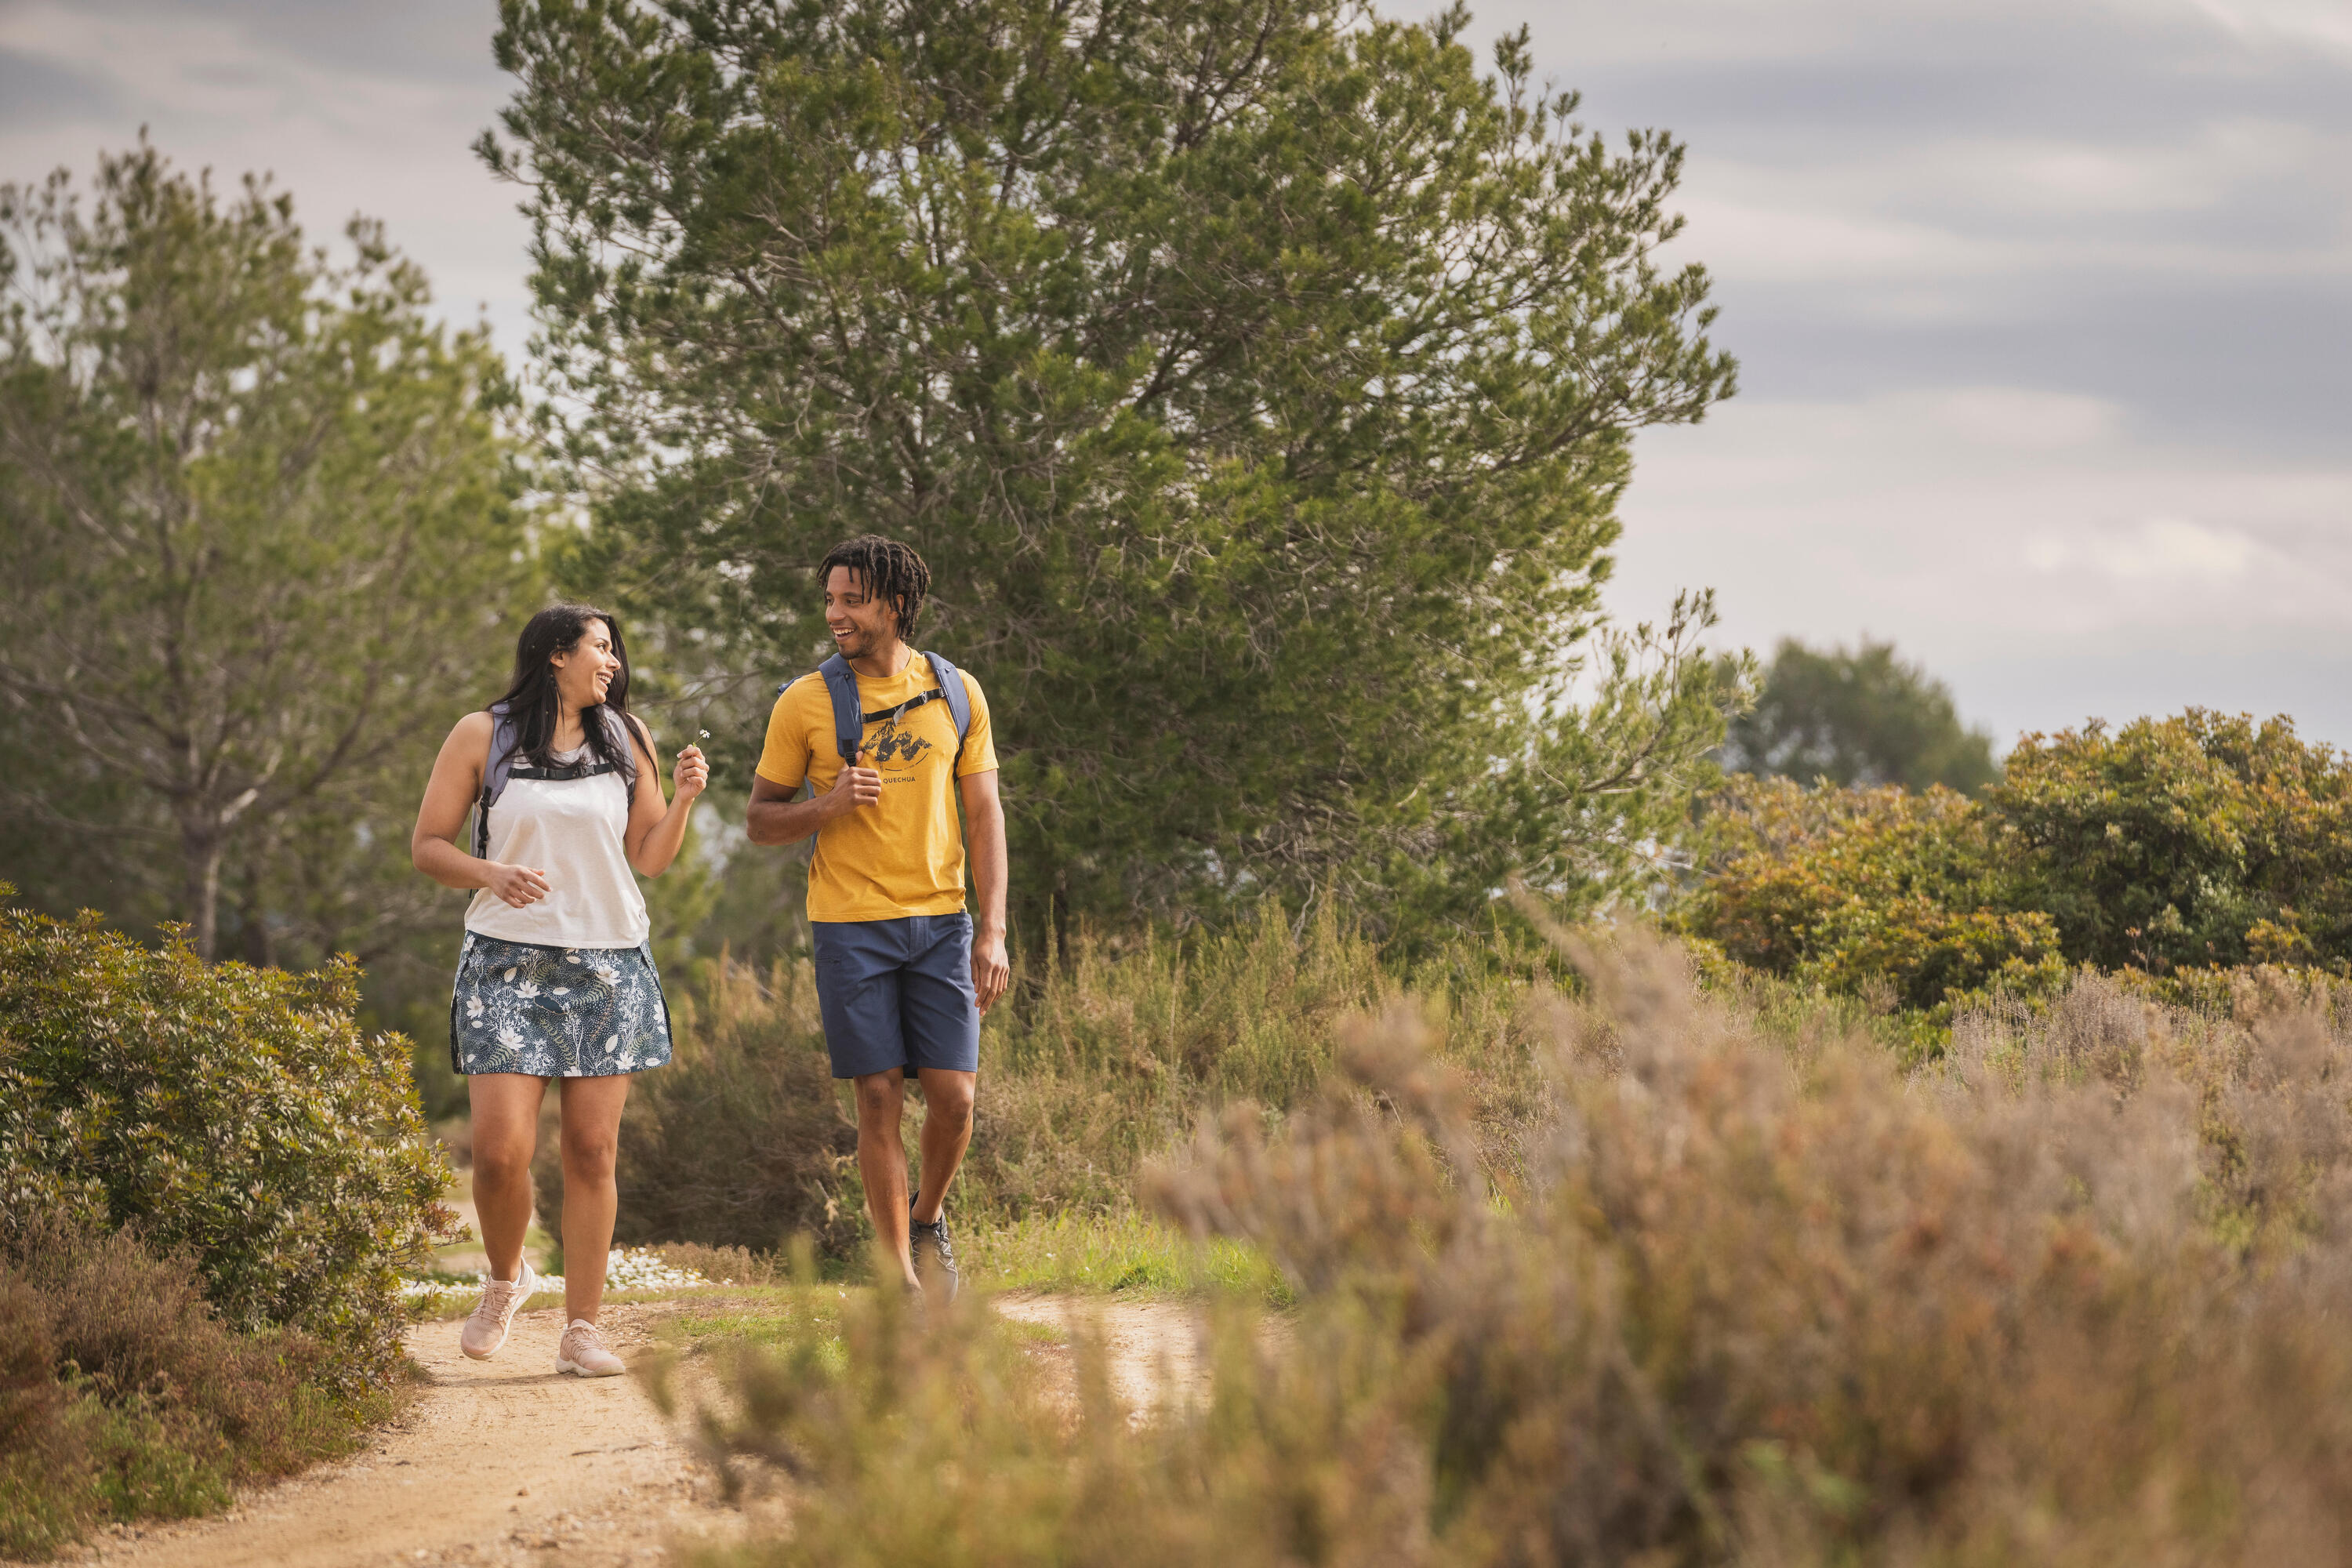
901	975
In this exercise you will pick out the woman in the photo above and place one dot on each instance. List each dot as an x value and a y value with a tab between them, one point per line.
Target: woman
555	980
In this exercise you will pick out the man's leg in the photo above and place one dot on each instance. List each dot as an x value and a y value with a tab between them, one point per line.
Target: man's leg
947	1133
941	1018
590	1138
506	1131
882	1162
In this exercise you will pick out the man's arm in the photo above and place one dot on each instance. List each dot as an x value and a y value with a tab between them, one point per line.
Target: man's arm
776	818
983	814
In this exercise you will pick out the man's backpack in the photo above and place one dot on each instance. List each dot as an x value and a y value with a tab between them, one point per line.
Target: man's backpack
850	721
506	735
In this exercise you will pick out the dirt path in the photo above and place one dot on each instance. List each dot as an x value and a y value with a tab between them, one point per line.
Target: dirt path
497	1462
507	1463
1154	1348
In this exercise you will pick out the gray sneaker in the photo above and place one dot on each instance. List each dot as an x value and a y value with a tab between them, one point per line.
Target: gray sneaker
940	1273
487	1325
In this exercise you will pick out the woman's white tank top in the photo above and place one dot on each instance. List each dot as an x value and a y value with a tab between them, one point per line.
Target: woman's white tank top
571	829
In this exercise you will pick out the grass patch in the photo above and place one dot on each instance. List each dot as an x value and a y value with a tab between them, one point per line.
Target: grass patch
767	1319
1122	1251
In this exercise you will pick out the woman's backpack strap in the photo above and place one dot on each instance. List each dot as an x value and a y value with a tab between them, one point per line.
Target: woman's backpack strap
622	736
505	734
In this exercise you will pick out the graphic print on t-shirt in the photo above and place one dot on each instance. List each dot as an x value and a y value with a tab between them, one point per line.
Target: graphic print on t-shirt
898	750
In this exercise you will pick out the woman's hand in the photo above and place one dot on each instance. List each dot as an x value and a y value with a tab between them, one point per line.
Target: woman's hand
691	774
517	885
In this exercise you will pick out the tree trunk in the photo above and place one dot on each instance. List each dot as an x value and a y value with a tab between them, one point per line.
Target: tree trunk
253	925
200	850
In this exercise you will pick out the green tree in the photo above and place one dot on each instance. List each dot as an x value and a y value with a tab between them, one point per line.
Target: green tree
258	521
1860	718
1258	378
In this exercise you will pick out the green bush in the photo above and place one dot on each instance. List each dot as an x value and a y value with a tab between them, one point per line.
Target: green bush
2197	841
1915	898
123	1395
233	1113
2168	848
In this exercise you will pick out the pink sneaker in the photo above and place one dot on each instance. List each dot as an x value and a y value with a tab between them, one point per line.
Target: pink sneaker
487	1325
583	1351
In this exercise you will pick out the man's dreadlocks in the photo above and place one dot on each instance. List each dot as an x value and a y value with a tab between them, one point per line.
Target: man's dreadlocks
885	568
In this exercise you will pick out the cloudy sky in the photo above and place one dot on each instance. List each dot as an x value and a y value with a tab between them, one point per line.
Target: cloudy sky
2044	309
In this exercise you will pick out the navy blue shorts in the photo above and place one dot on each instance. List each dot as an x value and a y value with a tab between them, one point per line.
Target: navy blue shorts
897	994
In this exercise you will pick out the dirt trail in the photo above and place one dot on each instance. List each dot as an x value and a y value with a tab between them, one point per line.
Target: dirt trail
1154	1347
504	1462
497	1462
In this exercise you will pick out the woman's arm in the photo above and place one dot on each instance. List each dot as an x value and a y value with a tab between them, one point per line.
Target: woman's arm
449	796
656	831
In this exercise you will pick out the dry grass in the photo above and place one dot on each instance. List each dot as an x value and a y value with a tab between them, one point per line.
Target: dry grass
2070	1295
1095	1067
123	1396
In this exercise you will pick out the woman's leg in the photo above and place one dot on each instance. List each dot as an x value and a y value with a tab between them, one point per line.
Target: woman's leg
506	1131
591	1137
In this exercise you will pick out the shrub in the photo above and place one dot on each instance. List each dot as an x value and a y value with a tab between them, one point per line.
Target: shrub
2199	841
123	1395
233	1113
2070	1296
2195	843
741	1141
1913	896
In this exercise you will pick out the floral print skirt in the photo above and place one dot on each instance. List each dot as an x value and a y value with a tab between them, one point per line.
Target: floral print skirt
556	1012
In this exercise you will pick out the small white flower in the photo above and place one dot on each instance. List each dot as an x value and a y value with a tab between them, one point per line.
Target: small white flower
526	990
510	1037
473	1006
609	976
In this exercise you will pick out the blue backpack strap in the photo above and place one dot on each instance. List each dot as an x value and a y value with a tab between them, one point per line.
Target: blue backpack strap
951	687
505	735
848	718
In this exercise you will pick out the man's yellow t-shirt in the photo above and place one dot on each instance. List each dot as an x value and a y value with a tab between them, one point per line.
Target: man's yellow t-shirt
903	856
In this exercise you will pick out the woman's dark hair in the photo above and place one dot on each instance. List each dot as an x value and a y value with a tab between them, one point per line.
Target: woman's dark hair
886	570
537	707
